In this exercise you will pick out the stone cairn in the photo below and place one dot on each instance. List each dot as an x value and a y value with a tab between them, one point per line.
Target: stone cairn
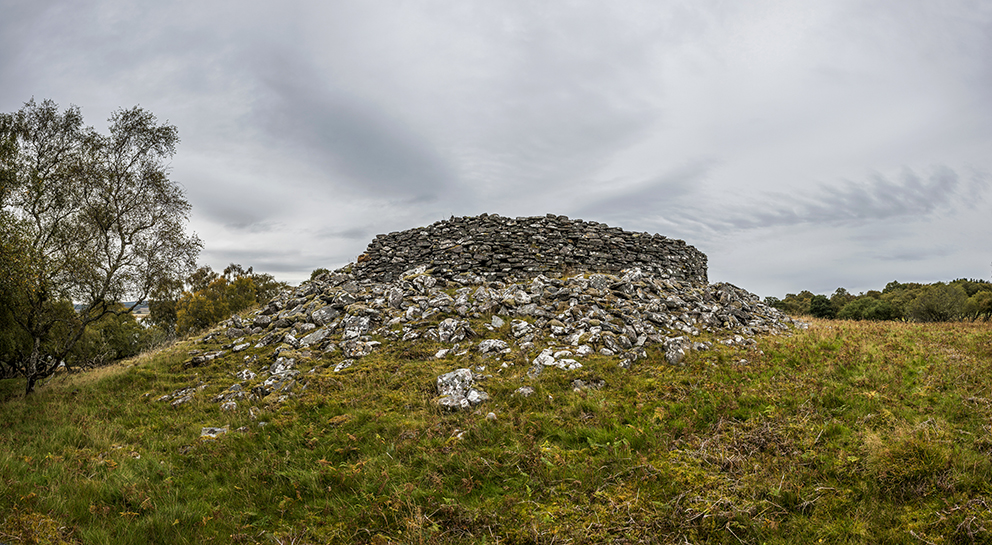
498	248
499	273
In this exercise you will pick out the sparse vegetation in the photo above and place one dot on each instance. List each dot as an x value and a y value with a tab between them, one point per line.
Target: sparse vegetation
959	299
848	432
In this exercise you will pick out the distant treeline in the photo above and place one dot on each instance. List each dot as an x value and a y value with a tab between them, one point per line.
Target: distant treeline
960	299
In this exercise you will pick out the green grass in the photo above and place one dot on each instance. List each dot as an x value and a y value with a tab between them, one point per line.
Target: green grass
848	432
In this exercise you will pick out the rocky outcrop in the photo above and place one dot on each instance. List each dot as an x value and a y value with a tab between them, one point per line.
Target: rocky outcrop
497	248
488	288
552	323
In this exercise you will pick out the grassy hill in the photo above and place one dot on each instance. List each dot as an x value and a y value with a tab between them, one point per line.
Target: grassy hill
846	432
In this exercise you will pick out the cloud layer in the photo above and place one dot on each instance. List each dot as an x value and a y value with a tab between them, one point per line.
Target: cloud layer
800	146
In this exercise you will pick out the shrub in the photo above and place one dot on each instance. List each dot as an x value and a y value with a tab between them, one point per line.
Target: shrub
820	307
938	303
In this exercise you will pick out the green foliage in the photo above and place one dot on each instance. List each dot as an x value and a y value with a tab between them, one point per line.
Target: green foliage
213	297
87	218
115	336
979	305
839	300
938	303
793	304
867	308
962	298
820	307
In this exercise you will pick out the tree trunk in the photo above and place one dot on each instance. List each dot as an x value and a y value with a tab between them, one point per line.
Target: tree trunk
32	368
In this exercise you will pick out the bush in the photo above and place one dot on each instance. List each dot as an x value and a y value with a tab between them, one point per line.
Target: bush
213	297
938	303
979	305
113	337
820	307
868	309
220	299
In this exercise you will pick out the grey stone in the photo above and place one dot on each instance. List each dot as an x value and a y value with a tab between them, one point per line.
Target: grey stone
314	337
262	321
469	249
358	349
454	382
457	391
441	300
599	282
395	297
493	345
282	365
675	350
355	326
524	391
304	328
212	433
451	330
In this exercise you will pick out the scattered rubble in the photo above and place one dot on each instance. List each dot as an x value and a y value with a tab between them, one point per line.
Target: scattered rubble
520	314
558	321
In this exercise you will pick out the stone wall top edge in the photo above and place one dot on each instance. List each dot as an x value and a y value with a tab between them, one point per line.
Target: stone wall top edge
501	247
462	220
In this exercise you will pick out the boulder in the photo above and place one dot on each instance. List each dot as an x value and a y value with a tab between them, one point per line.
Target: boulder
457	390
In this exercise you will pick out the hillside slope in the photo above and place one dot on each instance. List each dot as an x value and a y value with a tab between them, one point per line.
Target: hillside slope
717	422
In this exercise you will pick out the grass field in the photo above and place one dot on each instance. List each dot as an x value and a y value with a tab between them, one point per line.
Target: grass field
847	432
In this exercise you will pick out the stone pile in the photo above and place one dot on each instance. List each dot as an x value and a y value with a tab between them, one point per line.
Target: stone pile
499	248
548	321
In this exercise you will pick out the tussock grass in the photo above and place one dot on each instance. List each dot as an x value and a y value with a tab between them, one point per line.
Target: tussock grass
848	432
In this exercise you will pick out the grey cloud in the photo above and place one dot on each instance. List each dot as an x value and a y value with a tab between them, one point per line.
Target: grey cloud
292	265
355	233
308	127
234	210
879	198
255	227
661	196
672	204
268	261
359	143
916	254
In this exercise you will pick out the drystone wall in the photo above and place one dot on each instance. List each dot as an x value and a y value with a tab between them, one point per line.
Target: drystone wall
499	248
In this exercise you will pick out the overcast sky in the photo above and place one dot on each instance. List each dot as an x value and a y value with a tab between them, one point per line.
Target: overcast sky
800	145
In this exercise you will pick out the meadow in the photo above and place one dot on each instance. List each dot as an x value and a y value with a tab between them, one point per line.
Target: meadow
844	432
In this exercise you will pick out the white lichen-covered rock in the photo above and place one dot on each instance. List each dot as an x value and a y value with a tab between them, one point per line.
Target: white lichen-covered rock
355	326
457	390
547	359
524	391
493	345
282	365
451	330
676	349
